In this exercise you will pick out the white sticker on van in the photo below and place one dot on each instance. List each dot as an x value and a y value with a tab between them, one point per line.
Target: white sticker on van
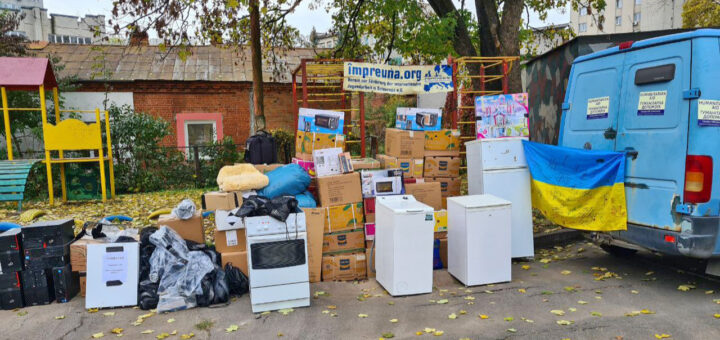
652	103
598	107
708	112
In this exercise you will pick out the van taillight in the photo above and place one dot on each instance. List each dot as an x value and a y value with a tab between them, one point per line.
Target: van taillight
625	45
698	178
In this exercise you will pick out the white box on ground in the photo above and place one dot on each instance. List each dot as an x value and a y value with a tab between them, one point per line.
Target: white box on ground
112	275
327	161
404	230
497	166
225	220
479	239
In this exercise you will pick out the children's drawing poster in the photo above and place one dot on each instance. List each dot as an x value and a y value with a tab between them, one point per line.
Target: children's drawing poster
504	115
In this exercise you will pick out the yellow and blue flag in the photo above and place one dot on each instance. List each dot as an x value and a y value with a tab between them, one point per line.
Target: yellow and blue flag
578	189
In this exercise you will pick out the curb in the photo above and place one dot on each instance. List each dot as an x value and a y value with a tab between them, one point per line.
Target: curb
556	237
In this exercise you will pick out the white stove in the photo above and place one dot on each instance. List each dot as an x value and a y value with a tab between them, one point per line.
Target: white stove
277	262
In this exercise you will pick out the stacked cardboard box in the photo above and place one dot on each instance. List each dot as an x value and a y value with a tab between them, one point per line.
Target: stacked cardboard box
230	239
442	161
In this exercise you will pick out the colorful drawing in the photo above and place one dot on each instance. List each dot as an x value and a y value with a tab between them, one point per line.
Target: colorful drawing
504	115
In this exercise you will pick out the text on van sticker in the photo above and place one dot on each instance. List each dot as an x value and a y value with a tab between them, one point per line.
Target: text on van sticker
652	103
598	107
708	112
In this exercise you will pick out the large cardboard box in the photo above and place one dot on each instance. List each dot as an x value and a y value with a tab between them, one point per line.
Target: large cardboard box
344	267
218	200
344	241
307	142
427	192
441	221
381	182
327	161
230	241
369	207
443	140
343	217
370	259
404	144
112	274
83	284
265	168
339	189
449	186
365	164
442	166
314	226
78	253
323	121
190	229
237	259
411	167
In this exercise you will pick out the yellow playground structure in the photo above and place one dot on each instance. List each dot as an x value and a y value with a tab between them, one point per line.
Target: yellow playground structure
36	74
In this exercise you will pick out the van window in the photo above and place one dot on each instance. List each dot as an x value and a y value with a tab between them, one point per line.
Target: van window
657	74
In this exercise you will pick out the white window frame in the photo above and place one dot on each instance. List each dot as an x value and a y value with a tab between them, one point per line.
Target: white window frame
618	20
187	135
580	27
618	4
636	18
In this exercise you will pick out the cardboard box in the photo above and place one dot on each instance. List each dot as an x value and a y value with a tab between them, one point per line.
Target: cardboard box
404	144
369	207
370	259
83	284
307	142
370	231
443	140
381	182
444	251
237	259
442	166
314	224
344	267
365	164
265	168
307	165
218	200
230	241
190	229
322	121
112	274
418	119
449	186
411	167
344	241
345	160
343	217
327	161
441	221
428	193
78	253
339	189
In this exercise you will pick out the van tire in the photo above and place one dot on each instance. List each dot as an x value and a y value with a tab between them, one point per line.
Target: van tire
618	251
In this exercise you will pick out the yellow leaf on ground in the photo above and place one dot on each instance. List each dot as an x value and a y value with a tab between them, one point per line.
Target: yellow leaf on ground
471	298
173	332
394	320
525	266
522	290
558	312
286	311
647	311
716	315
232	328
419	333
187	336
545	260
582	302
649	273
109	314
452	316
162	335
92	310
147	331
595	314
59	317
708	292
483	316
429	330
98	335
566	272
685	288
116	330
442	302
362	316
563	322
331	307
662	336
171	320
462	312
572	309
438	333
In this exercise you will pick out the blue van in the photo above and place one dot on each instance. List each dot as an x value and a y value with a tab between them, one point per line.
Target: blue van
658	100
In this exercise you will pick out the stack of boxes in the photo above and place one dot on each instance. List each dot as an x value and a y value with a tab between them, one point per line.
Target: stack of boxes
230	239
10	269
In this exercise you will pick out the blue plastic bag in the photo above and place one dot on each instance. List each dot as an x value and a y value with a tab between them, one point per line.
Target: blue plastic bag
288	180
306	200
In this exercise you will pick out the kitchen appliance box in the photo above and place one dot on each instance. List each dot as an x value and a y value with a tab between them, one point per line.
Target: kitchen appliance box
344	241
411	167
238	259
344	267
343	217
322	121
443	140
190	229
314	226
449	187
297	218
381	182
307	142
404	144
426	192
339	189
418	119
441	166
218	200
230	241
112	275
327	161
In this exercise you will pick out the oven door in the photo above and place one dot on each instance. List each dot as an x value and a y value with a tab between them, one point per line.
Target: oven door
277	259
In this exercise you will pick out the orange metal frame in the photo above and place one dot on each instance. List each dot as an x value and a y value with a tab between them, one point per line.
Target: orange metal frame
321	81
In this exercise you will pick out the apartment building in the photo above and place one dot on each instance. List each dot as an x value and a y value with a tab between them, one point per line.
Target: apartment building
38	25
626	16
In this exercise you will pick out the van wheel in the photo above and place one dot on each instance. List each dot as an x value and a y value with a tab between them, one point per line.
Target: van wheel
618	251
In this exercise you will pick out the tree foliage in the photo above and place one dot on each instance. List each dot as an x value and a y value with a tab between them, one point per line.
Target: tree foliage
701	13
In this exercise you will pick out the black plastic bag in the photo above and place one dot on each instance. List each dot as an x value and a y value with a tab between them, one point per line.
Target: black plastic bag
281	207
238	283
147	295
252	206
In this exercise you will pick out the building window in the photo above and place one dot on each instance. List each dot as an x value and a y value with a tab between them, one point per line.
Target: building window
636	19
618	21
618	4
638	2
582	27
198	129
583	11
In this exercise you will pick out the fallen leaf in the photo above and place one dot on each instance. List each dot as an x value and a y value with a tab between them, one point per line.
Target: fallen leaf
187	336
546	292
452	316
174	332
98	335
509	319
662	336
716	315
649	273
326	312
332	307
286	311
109	314
59	317
438	333
469	297
717	301
522	290
647	311
528	320
232	328
171	320
569	289
391	303
685	288
92	310
147	331
388	335
633	313
483	316
545	261
442	302
162	335
564	322
280	335
394	320
488	292
566	272
582	302
525	266
265	313
419	333
572	309
429	330
512	330
558	312
708	292
595	314
634	292
22	313
462	312
362	316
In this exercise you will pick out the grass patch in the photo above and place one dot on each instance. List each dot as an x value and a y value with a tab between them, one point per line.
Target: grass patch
204	325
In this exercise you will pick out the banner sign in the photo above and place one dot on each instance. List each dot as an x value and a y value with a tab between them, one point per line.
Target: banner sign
504	115
412	79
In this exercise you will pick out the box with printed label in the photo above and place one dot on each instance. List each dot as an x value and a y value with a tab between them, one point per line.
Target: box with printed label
314	224
381	182
112	274
327	161
419	119
322	121
411	167
237	259
229	241
440	221
339	189
307	142
404	144
428	193
190	229
443	140
344	241
218	200
344	267
365	164
449	186
343	217
369	207
442	166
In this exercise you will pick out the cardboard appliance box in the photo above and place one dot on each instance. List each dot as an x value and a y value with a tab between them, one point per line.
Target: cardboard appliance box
190	229
322	121
237	259
327	161
344	241
418	119
314	224
112	275
404	144
345	160
339	189
442	166
443	140
265	168
365	164
218	200
83	283
411	167
444	251
344	267
369	207
428	193
307	142
369	231
78	253
441	221
307	165
449	186
381	182
230	241
370	259
343	217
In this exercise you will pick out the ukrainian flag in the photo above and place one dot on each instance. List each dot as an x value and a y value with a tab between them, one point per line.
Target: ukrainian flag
578	189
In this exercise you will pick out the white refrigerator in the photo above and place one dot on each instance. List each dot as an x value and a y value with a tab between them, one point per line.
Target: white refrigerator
497	166
479	239
404	231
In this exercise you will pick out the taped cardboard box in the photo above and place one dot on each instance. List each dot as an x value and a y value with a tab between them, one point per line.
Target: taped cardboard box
218	200
307	142
365	164
441	221
339	189
314	226
343	217
190	229
428	193
411	167
344	241
230	241
369	207
370	259
443	140
449	186
404	144
441	166
78	254
344	267
237	259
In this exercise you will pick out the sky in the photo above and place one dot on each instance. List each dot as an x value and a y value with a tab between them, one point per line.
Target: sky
303	18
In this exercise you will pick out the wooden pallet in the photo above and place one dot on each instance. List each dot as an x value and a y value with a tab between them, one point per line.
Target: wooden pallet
13	177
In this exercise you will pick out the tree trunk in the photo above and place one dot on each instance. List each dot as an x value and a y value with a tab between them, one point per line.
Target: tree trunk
461	40
501	38
256	65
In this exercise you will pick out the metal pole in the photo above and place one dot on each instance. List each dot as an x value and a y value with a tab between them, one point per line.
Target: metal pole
101	157
6	117
362	125
303	65
196	156
56	103
456	92
296	110
48	164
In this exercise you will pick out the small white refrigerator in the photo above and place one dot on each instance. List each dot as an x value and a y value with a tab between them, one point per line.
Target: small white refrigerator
497	166
404	231
479	239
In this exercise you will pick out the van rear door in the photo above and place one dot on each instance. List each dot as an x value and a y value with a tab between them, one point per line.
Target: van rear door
653	129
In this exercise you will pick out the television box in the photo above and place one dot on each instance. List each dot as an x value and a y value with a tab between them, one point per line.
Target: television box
418	119
404	144
321	121
112	275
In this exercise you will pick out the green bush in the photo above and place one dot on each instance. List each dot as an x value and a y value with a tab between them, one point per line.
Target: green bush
285	141
216	156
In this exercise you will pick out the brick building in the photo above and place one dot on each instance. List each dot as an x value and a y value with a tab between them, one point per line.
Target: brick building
206	96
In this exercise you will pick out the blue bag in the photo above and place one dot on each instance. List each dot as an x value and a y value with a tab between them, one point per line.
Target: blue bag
306	200
288	180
